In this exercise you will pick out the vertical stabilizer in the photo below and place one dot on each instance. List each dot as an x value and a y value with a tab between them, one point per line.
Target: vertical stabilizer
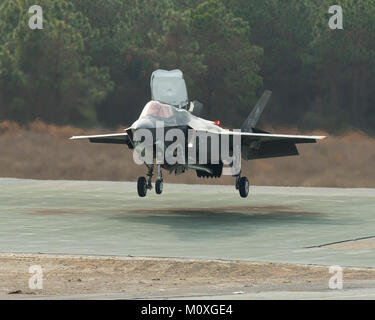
254	116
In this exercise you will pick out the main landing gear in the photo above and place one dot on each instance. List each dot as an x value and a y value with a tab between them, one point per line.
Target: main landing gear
242	185
143	185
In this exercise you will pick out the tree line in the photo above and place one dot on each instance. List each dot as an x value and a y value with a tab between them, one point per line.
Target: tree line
91	63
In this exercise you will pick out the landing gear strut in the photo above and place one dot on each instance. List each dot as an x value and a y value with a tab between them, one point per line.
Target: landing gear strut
242	185
159	181
149	176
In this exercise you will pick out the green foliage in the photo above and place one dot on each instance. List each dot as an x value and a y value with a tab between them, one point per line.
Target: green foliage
92	61
231	77
321	78
47	74
344	65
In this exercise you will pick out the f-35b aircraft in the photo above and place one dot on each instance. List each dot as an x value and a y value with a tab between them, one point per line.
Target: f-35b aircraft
169	109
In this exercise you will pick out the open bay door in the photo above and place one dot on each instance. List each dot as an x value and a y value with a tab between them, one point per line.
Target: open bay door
169	87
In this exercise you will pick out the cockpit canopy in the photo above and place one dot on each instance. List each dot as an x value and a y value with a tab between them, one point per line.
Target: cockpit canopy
157	109
169	87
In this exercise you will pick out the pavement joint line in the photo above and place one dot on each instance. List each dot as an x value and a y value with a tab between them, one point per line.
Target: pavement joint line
342	241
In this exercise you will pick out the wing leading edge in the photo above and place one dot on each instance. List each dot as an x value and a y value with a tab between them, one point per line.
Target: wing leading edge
267	136
115	138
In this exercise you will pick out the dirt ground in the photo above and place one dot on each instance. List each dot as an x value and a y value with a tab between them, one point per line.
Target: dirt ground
157	277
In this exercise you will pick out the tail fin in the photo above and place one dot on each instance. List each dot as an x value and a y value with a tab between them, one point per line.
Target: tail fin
254	116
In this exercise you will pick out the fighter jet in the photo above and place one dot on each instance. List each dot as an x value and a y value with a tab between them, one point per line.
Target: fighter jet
169	109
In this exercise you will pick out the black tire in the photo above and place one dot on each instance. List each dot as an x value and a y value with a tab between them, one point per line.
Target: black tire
159	186
142	187
243	187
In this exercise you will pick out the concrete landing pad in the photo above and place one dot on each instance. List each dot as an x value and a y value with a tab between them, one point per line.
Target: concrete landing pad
296	225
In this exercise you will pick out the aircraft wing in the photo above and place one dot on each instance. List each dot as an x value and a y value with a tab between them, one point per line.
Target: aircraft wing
115	138
267	145
251	136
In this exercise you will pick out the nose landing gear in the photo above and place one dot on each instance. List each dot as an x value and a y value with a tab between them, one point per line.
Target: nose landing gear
159	186
143	185
159	181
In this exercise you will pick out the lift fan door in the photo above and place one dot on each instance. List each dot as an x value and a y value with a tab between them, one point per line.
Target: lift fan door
169	87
